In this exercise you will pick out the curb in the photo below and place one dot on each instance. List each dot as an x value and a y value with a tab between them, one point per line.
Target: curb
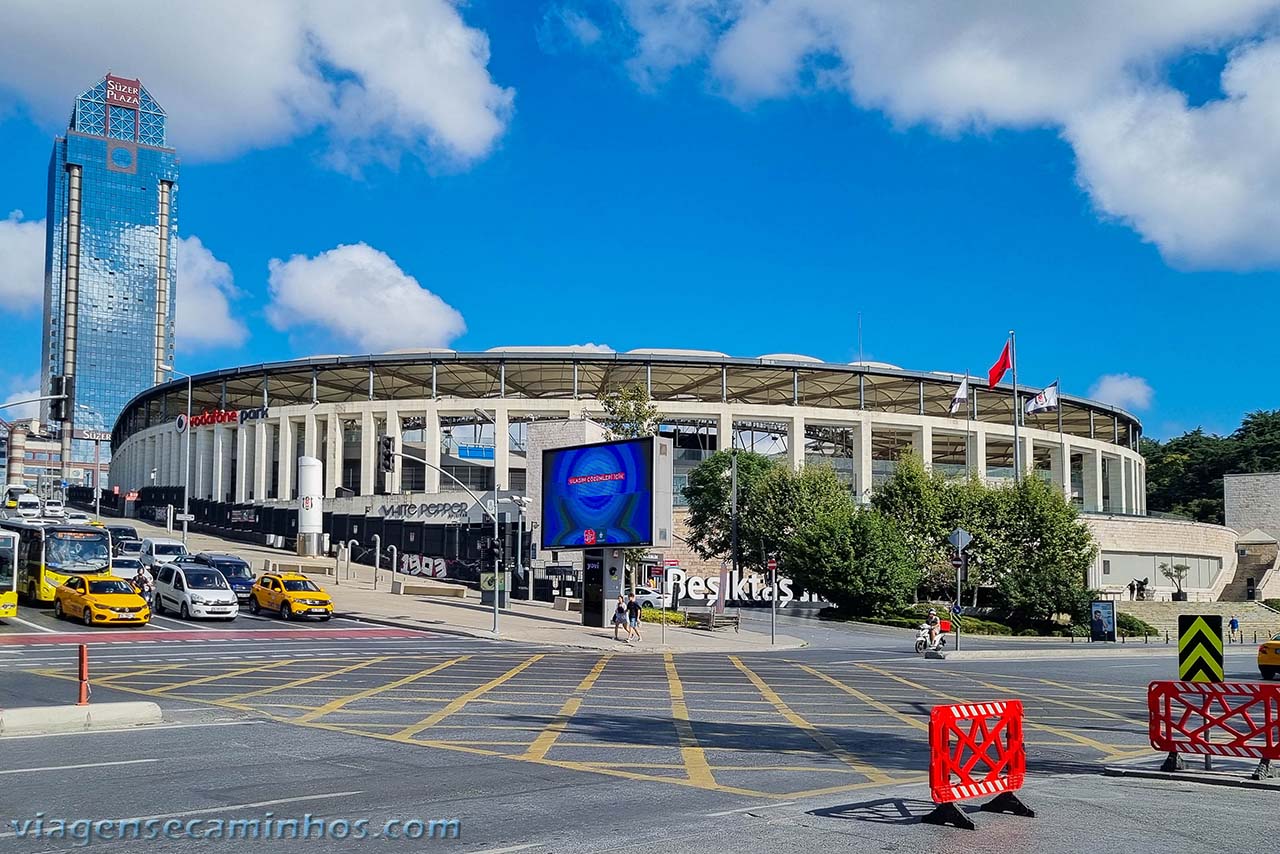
1208	778
36	720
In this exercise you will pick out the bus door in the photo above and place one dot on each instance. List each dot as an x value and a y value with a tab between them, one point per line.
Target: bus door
8	574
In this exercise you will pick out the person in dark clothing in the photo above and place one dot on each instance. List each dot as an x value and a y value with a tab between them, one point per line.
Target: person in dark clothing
633	618
620	619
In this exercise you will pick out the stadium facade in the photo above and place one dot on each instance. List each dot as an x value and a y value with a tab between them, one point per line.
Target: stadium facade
252	423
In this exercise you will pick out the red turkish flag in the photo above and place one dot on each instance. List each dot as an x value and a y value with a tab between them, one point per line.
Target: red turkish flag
1004	363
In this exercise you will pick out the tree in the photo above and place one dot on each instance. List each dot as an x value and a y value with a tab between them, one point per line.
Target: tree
710	497
912	498
1176	573
855	558
629	413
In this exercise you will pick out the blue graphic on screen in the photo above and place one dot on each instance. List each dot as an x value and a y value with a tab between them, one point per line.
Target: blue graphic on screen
598	495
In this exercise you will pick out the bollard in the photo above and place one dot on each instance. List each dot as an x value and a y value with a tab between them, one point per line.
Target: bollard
1145	639
1166	637
84	676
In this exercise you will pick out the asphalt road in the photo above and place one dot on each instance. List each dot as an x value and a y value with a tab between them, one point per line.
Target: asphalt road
542	749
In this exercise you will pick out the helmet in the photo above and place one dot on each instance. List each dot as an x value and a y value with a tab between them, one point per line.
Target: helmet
933	612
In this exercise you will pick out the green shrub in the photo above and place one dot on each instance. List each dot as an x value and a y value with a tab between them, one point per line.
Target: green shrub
1132	626
654	615
1028	633
1273	604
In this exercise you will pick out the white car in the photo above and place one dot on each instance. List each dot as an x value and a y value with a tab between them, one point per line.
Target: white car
75	517
190	590
157	551
53	508
650	598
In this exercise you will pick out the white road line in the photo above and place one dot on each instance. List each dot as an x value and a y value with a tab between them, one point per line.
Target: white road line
132	729
70	767
155	617
226	808
38	628
508	849
751	809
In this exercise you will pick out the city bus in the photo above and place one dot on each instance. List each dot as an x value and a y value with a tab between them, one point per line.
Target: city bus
49	553
11	493
8	574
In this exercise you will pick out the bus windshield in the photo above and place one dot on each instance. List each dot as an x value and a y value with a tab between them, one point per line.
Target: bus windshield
76	551
7	555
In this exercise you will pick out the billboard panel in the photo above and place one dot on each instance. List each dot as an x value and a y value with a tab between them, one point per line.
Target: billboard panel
598	495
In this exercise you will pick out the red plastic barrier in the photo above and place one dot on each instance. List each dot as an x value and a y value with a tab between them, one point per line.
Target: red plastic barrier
1215	718
976	750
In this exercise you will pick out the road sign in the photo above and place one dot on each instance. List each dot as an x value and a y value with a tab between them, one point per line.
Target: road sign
184	517
772	564
1200	647
671	562
957	562
959	539
486	581
657	572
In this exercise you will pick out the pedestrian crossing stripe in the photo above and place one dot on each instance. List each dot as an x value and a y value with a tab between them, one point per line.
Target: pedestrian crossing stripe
1200	648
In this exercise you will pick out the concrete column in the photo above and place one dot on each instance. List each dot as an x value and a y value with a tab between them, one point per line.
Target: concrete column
724	430
501	448
368	452
204	463
310	435
217	488
1060	468
978	446
922	442
332	455
393	430
795	442
431	442
243	468
148	460
1028	455
1116	486
261	451
286	457
865	477
1092	465
1142	488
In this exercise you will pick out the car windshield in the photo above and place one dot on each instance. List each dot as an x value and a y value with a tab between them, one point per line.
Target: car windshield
114	585
206	581
126	563
168	549
76	551
301	584
130	546
233	568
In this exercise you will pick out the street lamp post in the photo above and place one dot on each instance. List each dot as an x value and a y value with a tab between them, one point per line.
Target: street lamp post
186	464
496	486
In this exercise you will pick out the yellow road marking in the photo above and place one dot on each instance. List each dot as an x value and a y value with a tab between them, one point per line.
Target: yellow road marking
238	698
695	761
334	705
821	738
215	677
547	738
458	702
866	698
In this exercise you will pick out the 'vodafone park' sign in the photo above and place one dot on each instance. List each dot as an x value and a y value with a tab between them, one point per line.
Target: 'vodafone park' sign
221	416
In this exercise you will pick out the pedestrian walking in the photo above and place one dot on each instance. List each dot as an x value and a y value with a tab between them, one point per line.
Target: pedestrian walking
633	617
620	619
1234	627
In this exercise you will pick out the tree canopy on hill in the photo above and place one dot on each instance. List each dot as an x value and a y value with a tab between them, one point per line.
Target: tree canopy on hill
1184	474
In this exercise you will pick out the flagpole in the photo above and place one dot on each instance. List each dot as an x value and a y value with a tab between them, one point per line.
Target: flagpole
1058	382
1017	405
968	429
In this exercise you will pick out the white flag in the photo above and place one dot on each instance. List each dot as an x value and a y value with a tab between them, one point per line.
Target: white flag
961	396
1045	400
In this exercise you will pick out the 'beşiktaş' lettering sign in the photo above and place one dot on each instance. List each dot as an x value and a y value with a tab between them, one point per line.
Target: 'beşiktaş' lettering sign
740	587
221	416
453	509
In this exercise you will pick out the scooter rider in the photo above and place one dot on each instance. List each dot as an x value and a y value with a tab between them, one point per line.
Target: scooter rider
934	624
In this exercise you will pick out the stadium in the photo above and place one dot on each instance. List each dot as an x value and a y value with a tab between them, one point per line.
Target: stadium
250	424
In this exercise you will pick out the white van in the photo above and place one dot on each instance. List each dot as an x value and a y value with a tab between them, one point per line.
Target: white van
157	551
29	506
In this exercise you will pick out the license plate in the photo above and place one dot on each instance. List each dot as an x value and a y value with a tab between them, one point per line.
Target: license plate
319	611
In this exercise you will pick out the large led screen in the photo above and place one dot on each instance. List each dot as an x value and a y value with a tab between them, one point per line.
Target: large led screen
598	495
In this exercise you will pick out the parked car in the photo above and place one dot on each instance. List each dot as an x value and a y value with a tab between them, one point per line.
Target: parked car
53	508
650	598
233	568
125	567
190	590
291	596
100	600
77	517
1269	658
157	551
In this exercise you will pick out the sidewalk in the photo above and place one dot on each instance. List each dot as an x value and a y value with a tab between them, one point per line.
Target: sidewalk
522	622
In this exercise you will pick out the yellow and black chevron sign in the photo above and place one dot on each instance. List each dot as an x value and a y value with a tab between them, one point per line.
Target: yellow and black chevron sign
1200	647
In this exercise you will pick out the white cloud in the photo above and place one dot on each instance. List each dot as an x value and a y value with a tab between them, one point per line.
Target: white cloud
26	410
591	348
21	262
1122	390
1203	183
378	77
359	295
205	287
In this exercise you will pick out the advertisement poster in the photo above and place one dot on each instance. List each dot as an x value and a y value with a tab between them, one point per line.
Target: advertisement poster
598	495
1102	622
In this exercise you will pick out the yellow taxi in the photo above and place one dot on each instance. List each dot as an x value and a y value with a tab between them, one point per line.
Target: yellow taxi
100	600
1269	657
290	595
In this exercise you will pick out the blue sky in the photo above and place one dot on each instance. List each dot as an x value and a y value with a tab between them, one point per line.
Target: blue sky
639	196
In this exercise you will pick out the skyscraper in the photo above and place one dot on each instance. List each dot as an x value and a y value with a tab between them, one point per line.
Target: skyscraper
109	262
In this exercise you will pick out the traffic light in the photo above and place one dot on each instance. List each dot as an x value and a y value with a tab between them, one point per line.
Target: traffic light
387	453
60	409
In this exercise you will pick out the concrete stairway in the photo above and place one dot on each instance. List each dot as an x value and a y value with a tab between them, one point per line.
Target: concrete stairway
1253	616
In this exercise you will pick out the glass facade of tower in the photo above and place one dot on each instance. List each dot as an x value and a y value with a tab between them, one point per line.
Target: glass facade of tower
110	267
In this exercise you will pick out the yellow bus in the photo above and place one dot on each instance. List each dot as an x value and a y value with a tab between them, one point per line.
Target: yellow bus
49	553
8	574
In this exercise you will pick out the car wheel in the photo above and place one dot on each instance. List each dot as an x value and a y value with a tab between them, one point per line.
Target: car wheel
325	618
86	616
186	614
57	609
254	607
1267	672
286	613
158	609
